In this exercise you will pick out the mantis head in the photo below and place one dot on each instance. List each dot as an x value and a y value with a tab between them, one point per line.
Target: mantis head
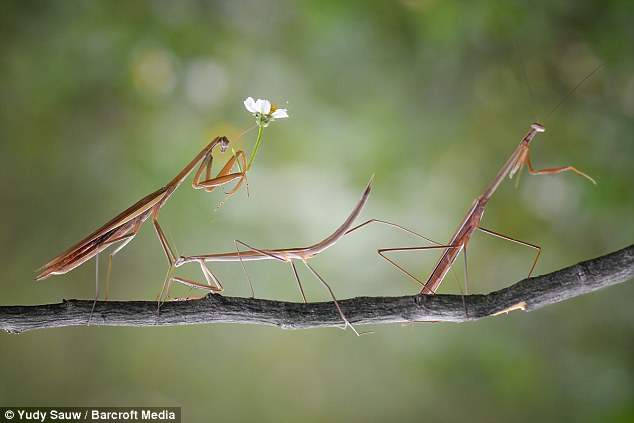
224	143
538	127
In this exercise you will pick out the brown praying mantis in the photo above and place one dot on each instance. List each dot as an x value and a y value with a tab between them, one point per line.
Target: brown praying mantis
124	227
519	158
284	255
471	222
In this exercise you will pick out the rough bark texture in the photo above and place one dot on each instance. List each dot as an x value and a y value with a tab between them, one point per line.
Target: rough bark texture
528	294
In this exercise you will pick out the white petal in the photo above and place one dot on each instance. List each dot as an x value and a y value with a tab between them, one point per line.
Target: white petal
258	105
264	106
249	104
279	114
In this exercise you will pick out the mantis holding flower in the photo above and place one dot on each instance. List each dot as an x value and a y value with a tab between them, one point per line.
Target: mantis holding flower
122	229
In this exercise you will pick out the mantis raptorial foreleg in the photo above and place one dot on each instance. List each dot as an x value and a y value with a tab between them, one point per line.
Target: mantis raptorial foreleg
205	165
242	165
224	175
554	170
211	184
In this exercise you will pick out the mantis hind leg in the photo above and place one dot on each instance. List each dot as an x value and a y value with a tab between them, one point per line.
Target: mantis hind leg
193	284
299	282
466	280
125	238
394	225
213	283
394	263
94	303
211	277
334	299
517	241
244	269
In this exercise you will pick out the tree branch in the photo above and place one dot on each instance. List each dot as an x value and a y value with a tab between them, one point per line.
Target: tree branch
528	294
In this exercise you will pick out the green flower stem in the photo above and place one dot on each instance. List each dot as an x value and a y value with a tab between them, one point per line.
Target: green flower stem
237	161
255	149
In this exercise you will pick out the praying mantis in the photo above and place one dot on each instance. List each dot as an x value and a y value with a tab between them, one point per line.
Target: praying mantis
124	227
519	158
284	255
471	222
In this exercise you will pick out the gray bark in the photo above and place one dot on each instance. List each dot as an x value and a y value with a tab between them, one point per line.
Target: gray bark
528	294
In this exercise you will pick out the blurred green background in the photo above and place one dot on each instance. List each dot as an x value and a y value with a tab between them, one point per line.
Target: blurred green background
103	102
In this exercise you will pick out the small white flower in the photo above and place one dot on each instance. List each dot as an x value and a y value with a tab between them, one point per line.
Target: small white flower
264	111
